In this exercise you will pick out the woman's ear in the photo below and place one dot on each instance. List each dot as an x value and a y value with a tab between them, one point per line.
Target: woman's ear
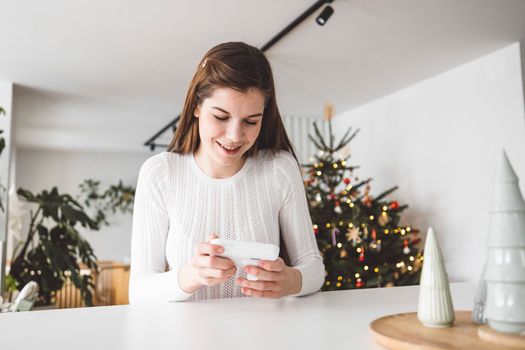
197	112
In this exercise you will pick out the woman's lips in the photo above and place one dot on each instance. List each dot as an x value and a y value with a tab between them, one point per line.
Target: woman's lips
229	151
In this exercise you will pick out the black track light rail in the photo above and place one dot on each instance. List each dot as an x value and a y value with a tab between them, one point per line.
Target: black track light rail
151	142
295	23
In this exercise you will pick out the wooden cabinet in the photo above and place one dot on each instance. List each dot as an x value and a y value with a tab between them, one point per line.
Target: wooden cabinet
111	284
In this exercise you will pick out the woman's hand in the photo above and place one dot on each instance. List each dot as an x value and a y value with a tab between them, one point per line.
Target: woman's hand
274	280
204	268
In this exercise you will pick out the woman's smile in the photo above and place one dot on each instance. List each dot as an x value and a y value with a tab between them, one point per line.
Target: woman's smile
229	150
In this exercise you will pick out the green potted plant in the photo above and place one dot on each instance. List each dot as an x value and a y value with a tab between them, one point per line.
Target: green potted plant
115	198
54	249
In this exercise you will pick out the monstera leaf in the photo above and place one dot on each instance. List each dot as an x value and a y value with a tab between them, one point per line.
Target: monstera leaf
60	249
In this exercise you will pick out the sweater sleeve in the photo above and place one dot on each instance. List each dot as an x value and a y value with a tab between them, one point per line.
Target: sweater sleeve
296	225
149	280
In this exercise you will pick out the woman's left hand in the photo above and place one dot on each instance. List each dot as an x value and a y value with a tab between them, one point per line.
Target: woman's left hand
274	280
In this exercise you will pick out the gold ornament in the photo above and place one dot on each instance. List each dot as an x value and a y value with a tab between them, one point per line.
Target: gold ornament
383	219
328	111
353	235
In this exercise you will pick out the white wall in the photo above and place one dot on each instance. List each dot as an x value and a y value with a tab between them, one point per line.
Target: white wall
440	141
6	100
42	169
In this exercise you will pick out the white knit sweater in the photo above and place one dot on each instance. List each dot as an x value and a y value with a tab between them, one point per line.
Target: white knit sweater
177	206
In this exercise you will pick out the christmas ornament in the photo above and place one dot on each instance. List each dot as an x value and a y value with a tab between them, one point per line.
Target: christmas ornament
394	205
345	152
335	231
338	210
383	219
353	235
346	181
328	111
406	249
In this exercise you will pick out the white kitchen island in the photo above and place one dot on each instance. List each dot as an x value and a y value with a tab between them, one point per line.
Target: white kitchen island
326	320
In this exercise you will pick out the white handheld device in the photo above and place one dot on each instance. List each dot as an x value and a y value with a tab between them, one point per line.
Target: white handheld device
244	253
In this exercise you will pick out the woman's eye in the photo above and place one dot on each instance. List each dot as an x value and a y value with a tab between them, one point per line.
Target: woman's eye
223	118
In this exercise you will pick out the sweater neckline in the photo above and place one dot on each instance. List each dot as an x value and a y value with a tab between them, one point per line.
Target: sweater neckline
226	180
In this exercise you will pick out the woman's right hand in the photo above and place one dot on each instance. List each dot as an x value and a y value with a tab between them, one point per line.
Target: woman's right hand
204	268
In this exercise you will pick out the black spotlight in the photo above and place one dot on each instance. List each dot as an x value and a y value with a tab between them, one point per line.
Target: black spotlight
325	14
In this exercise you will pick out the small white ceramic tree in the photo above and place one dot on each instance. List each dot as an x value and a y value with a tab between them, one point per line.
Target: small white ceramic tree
505	269
435	302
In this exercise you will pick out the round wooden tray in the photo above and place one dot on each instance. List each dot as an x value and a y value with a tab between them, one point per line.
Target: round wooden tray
488	334
405	332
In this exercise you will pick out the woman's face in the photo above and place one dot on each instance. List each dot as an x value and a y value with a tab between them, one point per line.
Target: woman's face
229	123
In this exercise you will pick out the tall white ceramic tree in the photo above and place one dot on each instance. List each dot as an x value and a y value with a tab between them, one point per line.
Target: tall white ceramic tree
505	268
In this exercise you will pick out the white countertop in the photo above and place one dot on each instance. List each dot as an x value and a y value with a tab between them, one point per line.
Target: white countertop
321	321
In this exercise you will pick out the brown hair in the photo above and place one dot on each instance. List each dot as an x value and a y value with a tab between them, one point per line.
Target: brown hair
238	66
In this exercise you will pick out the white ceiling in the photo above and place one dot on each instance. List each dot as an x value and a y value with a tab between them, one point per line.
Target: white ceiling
107	75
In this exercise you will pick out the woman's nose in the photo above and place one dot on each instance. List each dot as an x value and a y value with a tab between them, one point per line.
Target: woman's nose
235	132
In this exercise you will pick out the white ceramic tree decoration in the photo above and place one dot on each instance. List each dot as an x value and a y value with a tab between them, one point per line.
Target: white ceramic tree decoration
478	312
435	302
505	269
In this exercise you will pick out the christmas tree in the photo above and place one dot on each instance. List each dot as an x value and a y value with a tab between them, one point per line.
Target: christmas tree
358	235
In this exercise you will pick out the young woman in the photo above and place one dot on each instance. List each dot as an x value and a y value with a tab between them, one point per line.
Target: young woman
230	172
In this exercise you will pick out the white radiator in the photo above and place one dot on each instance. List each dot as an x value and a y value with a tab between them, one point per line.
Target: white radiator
298	129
